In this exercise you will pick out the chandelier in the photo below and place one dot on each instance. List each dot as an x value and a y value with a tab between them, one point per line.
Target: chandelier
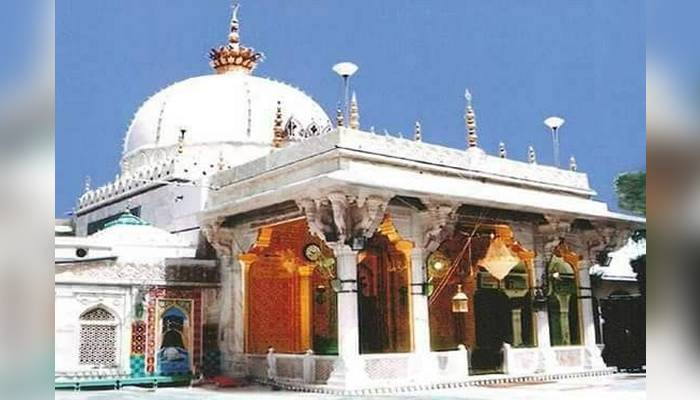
499	259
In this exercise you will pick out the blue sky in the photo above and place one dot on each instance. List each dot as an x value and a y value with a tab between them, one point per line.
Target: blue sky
523	61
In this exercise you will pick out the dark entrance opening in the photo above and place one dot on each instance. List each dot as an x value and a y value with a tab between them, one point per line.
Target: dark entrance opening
624	332
493	328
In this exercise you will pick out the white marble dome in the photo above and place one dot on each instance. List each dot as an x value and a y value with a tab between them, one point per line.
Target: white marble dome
234	108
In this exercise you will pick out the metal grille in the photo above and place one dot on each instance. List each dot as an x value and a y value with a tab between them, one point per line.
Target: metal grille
98	338
97	314
98	345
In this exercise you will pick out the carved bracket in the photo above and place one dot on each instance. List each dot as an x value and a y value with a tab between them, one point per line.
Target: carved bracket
439	224
339	217
554	232
605	238
225	240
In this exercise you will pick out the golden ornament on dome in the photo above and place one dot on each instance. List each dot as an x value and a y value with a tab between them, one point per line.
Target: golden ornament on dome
233	56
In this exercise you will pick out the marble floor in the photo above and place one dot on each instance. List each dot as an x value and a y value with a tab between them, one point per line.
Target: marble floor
612	387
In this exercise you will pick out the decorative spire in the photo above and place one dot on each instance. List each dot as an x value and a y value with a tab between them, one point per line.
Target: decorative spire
531	156
221	164
470	121
181	140
87	184
572	164
417	133
278	130
233	56
502	150
354	113
339	119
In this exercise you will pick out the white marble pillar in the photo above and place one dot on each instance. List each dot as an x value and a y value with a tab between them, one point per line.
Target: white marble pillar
547	358
421	319
594	359
348	371
238	308
424	367
225	336
232	320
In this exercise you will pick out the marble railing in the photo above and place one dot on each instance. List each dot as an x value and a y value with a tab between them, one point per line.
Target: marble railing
570	357
377	368
519	361
297	368
90	374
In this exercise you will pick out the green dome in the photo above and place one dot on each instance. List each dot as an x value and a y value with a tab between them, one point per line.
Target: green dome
126	218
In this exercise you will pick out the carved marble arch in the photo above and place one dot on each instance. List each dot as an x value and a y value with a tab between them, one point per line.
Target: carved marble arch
313	129
99	313
293	129
289	303
384	279
499	306
564	251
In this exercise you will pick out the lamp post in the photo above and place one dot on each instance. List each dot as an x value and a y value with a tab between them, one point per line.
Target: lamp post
345	70
554	123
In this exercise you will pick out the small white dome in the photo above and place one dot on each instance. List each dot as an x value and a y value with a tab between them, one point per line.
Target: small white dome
132	238
235	108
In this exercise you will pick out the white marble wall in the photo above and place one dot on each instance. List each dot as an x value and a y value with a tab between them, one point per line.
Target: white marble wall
73	300
169	207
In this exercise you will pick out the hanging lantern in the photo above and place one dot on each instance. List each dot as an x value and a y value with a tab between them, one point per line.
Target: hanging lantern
460	301
499	259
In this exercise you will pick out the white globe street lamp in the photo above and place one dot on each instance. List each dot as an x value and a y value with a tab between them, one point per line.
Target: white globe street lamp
346	70
554	123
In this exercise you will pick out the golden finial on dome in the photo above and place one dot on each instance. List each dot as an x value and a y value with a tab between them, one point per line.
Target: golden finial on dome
470	121
234	37
278	130
354	113
234	56
417	132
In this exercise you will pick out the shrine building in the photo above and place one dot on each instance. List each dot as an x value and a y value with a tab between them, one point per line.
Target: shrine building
249	234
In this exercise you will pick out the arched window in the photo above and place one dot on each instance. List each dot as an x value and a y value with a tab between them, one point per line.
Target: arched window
98	338
174	353
564	329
